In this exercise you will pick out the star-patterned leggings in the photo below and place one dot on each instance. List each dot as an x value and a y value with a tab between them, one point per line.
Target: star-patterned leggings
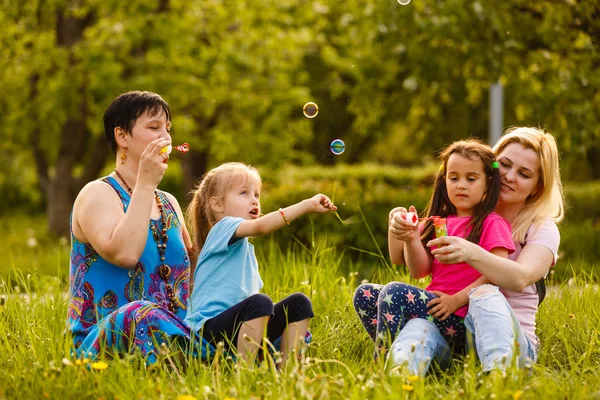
384	310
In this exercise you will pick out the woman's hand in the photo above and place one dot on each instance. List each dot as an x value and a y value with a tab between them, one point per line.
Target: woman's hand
153	164
321	204
452	249
443	306
399	227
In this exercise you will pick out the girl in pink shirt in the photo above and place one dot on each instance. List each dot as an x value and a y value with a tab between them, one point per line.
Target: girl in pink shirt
501	318
531	199
465	192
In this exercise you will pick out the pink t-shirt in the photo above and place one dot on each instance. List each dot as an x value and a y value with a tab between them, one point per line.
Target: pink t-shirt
452	278
525	303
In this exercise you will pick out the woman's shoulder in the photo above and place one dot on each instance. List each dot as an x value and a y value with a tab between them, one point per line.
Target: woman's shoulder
95	190
169	196
543	229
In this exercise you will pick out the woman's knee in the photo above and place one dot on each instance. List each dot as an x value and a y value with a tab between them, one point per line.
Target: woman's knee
487	297
484	291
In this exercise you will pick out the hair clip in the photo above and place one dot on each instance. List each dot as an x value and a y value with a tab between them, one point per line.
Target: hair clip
495	165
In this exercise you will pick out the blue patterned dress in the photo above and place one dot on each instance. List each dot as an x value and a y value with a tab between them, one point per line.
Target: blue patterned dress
119	310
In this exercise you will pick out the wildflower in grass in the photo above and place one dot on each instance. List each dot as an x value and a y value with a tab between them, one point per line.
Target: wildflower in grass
32	242
517	394
572	316
82	361
66	362
413	378
408	388
99	366
229	398
185	397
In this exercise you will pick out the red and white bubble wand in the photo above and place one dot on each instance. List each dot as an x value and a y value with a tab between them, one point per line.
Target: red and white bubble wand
184	148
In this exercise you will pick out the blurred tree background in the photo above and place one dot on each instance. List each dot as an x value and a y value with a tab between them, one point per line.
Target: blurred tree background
395	82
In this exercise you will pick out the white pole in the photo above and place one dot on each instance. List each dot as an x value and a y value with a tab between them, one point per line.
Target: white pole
496	112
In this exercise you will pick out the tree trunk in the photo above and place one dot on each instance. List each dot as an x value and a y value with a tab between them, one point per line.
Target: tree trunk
194	166
63	185
593	158
60	202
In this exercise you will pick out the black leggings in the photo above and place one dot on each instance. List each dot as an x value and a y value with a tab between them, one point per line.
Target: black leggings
226	326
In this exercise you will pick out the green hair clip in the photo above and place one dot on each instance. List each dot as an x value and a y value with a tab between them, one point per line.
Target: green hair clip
495	165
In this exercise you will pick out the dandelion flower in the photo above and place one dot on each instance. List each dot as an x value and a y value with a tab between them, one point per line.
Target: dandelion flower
517	394
408	388
413	378
99	366
185	397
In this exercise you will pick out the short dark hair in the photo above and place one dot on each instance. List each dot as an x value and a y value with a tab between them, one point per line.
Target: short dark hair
125	110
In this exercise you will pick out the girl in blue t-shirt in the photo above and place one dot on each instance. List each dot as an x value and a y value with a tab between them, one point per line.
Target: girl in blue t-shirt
225	304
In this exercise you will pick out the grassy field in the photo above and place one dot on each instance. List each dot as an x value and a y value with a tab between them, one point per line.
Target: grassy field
35	361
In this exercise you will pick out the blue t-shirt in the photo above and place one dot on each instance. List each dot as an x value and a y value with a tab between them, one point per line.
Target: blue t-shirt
226	273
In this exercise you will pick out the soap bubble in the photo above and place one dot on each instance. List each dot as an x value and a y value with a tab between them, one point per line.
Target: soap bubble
337	147
403	2
310	110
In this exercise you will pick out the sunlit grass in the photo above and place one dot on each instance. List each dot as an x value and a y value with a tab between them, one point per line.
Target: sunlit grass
36	362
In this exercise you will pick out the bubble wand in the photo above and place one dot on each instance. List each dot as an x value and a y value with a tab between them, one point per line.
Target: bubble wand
184	148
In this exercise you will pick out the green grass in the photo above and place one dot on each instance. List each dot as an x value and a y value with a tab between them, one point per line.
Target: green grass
35	361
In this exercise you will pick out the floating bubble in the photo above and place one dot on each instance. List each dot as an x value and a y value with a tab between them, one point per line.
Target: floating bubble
310	110
337	147
403	2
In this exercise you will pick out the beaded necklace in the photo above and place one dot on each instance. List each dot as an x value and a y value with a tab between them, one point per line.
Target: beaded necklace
164	271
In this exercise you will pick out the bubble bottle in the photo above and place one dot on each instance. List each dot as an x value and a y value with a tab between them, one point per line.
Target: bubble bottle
440	227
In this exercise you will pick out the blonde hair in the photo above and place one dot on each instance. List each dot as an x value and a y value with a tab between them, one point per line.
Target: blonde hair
548	201
216	183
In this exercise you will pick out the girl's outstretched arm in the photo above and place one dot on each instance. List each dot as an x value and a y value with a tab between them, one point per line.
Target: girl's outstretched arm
278	219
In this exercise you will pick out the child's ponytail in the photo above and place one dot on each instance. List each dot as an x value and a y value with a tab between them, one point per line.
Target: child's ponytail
216	183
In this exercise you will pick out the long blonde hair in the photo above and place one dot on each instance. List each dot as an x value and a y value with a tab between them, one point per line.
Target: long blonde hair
216	183
548	201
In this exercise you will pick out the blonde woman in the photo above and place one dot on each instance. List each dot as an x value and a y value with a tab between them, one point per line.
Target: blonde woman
531	200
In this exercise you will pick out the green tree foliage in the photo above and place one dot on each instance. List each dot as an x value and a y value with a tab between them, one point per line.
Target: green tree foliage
229	69
395	82
429	66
